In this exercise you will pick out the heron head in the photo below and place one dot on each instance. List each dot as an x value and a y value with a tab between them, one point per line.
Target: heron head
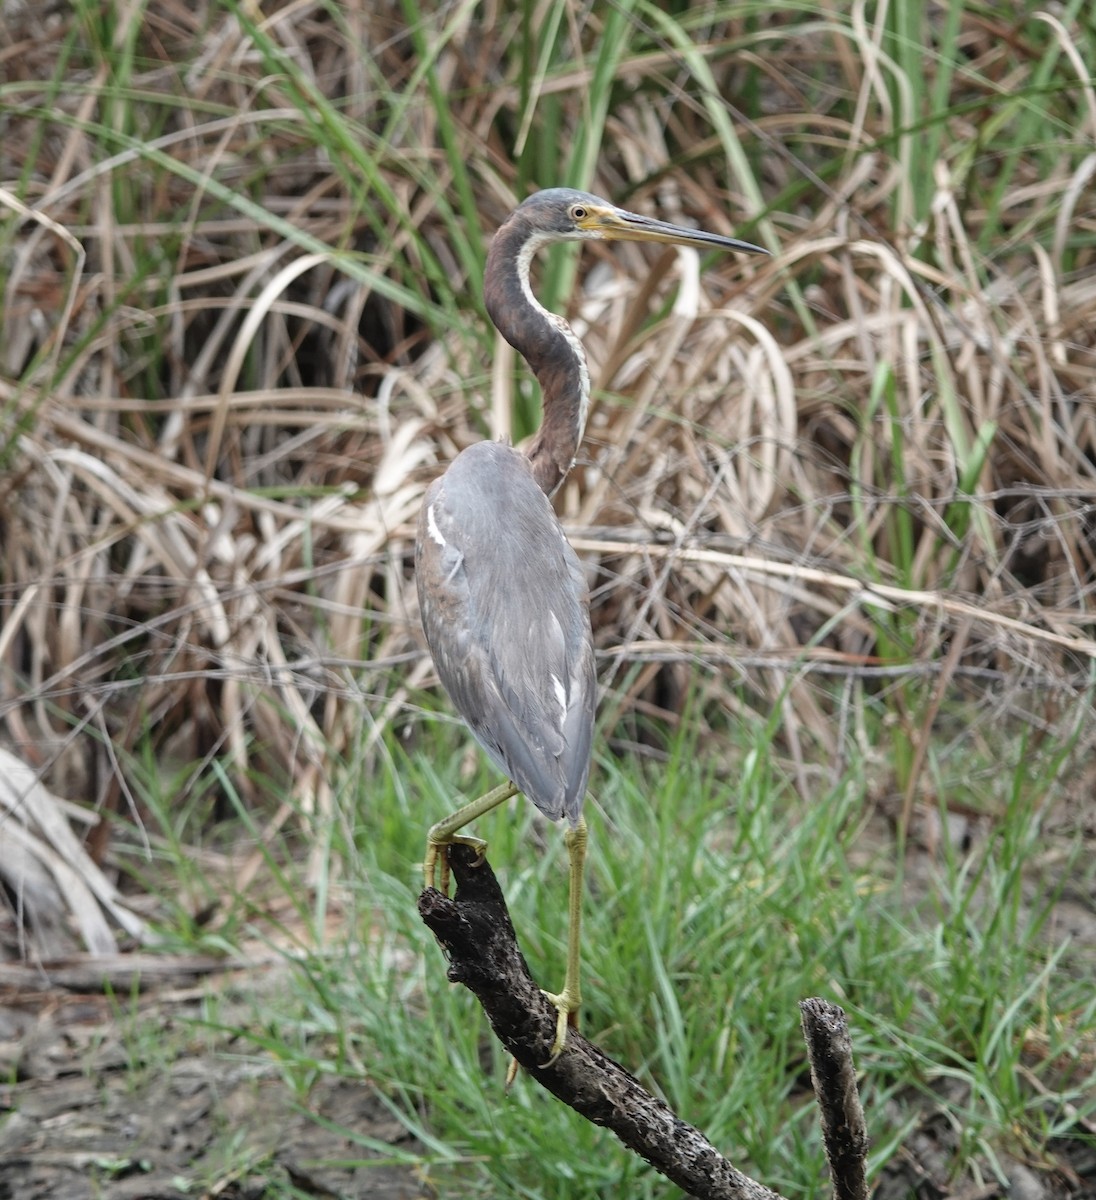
564	214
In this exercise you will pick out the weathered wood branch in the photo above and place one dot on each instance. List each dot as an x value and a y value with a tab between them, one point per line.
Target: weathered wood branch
844	1130
476	932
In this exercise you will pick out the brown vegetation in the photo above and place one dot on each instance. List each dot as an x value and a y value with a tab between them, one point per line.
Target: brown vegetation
241	332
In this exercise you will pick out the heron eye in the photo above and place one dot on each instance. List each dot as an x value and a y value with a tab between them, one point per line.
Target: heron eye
578	213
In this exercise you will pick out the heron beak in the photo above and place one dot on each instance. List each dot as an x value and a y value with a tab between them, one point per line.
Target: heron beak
618	225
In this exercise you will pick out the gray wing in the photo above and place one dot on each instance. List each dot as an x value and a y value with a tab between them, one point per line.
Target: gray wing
505	609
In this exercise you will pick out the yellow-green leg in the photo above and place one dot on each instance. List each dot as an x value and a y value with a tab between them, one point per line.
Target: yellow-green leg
568	1001
444	833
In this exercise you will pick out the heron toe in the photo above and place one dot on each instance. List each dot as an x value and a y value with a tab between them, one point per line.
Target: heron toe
438	849
566	1004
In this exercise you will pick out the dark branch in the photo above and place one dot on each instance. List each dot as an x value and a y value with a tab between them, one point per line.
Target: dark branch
829	1049
477	935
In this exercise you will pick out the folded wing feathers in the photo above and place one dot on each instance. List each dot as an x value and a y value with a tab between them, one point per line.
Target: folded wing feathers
505	609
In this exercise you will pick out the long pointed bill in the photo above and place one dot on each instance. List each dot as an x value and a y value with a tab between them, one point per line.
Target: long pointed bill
618	225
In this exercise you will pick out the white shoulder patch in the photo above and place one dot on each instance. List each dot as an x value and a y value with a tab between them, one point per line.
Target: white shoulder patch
561	696
432	528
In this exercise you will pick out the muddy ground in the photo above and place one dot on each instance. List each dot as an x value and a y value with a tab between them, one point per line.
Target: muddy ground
86	1118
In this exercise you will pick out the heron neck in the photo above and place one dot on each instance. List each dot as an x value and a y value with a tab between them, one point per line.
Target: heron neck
546	342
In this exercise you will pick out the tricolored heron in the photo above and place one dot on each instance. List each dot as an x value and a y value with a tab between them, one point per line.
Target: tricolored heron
504	600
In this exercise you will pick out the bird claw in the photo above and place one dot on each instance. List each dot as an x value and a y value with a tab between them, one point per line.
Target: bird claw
566	1007
438	849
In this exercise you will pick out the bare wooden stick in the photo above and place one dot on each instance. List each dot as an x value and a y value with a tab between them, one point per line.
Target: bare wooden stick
476	933
844	1131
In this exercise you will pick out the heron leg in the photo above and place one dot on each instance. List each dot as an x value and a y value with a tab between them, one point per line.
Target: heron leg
568	1001
444	833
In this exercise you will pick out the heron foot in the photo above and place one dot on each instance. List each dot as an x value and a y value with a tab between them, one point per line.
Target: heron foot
566	1004
445	833
438	848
